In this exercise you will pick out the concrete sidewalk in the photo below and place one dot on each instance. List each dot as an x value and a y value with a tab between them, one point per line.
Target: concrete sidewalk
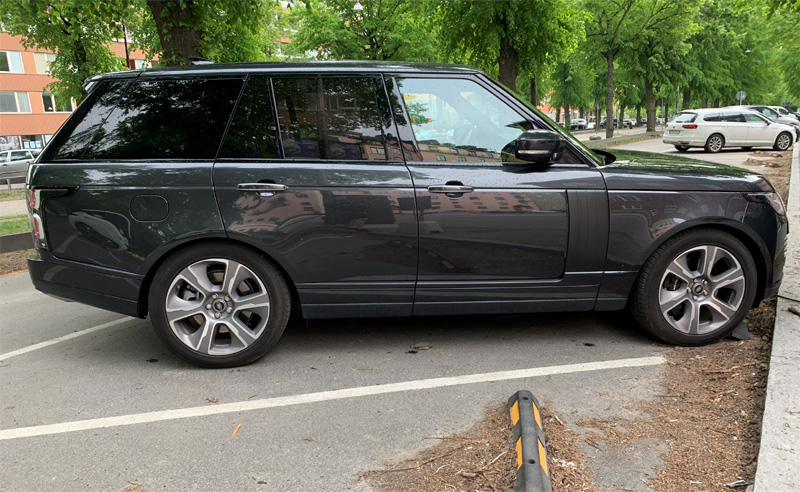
779	455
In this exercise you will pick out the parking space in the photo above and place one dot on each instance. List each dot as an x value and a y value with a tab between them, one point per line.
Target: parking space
333	399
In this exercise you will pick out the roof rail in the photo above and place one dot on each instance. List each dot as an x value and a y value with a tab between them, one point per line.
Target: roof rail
199	60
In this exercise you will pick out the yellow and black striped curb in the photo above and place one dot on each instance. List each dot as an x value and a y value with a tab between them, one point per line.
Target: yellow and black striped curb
532	472
769	154
762	162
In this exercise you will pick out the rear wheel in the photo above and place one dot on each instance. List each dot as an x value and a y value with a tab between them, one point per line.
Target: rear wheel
219	305
682	148
715	143
783	142
696	288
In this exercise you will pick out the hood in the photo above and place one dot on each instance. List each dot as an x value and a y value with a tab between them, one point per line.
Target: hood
633	170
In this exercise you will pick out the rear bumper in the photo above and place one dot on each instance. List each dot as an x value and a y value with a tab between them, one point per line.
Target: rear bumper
95	286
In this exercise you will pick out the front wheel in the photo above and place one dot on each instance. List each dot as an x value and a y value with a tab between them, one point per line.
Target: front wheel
783	142
715	143
219	305
696	288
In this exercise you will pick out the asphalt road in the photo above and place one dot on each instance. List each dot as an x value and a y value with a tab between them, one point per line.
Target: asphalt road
332	400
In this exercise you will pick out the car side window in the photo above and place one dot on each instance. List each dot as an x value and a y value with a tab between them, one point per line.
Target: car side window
711	117
167	119
752	118
18	155
458	120
253	133
732	118
329	118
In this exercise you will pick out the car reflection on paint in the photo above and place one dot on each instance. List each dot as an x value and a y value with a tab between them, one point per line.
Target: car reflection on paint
95	226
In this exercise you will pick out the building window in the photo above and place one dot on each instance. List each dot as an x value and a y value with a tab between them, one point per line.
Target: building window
55	103
43	61
462	159
454	151
141	64
31	141
14	102
441	158
11	61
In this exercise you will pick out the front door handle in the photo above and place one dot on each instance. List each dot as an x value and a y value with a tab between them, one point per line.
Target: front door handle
450	189
263	189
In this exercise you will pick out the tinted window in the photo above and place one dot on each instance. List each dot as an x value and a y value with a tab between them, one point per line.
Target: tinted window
73	139
732	117
323	118
167	119
456	116
685	118
753	118
252	133
711	117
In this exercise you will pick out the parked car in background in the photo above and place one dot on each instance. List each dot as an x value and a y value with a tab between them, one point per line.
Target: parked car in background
614	122
14	163
630	122
577	124
785	112
716	128
773	115
356	189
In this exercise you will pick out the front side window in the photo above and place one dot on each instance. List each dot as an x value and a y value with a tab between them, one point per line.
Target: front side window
20	155
14	102
11	61
456	114
167	119
329	118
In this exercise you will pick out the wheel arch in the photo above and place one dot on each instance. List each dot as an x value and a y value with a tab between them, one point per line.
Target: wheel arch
156	263
748	238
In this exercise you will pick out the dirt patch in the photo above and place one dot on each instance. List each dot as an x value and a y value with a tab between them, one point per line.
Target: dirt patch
14	262
708	412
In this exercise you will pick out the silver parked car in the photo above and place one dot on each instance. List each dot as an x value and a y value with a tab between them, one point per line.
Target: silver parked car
715	128
14	163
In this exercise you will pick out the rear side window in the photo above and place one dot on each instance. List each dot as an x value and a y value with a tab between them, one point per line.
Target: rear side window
711	117
685	118
252	134
75	136
732	118
329	118
167	119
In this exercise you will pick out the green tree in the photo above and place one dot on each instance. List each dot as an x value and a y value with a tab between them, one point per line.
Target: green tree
383	30
223	31
78	31
507	37
572	83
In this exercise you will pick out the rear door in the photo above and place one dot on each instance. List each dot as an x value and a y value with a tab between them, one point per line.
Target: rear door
495	235
735	128
311	173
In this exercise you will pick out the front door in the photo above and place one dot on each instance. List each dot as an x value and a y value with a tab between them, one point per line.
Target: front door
314	178
494	234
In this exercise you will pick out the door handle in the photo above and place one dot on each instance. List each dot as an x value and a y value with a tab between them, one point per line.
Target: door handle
450	189
263	189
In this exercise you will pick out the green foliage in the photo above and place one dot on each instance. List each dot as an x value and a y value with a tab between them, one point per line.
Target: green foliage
79	31
384	30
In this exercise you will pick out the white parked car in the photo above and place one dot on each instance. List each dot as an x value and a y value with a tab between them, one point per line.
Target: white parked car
715	128
14	163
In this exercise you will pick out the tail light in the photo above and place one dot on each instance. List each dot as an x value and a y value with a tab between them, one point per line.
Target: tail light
690	126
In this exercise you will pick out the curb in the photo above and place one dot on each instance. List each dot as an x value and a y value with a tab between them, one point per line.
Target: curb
532	472
778	460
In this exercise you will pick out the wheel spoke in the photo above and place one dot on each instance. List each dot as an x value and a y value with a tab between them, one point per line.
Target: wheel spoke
707	261
178	309
196	276
722	308
728	277
689	322
252	302
675	299
679	270
243	333
235	273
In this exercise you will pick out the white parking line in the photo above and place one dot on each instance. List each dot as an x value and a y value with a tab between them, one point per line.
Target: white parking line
54	341
242	406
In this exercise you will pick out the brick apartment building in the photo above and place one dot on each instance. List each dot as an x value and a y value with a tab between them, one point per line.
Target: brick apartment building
29	115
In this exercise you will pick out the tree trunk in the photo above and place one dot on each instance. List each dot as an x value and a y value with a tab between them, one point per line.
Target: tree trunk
716	102
558	115
178	40
508	64
610	94
621	114
705	102
687	99
534	92
638	114
567	117
650	104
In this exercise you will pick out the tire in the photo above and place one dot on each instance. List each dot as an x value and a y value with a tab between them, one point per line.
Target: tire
682	148
715	143
695	288
211	319
783	142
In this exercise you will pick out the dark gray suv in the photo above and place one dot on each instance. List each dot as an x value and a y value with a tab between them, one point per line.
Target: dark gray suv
219	198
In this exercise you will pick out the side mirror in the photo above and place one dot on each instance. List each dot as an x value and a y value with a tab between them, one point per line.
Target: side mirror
539	146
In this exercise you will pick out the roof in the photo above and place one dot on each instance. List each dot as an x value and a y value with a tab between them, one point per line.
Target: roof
297	67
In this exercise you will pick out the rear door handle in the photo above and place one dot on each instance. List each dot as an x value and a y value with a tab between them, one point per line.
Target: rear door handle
450	189
263	189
